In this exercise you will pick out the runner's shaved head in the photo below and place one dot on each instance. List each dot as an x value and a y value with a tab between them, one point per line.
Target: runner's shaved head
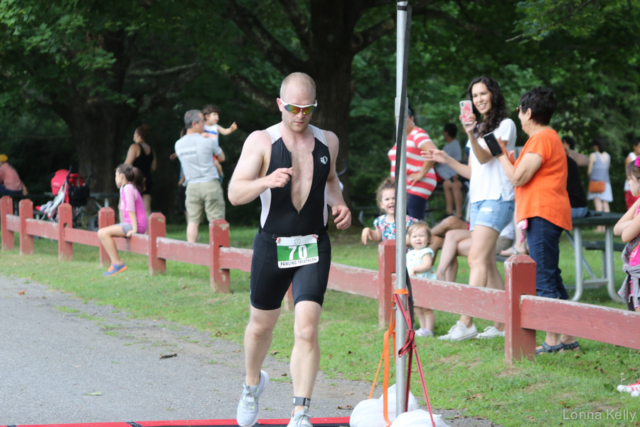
300	79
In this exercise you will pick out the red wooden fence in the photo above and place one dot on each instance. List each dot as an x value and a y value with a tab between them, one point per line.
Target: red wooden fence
517	306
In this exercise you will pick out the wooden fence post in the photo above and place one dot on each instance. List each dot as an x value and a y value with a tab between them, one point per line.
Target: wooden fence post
157	228
6	208
218	237
106	217
26	241
520	279
65	220
386	267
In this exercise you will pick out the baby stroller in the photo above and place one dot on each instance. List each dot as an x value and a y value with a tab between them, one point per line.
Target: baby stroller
68	187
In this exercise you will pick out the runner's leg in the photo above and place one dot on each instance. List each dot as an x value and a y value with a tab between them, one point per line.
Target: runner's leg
305	357
257	340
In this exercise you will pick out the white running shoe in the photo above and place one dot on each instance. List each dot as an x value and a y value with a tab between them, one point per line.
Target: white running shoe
490	332
424	333
459	332
248	407
301	419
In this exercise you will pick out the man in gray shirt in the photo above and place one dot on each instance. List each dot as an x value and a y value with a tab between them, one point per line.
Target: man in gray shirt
451	184
204	192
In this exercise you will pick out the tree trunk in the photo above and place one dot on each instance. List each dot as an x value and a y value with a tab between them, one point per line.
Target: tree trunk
334	92
98	128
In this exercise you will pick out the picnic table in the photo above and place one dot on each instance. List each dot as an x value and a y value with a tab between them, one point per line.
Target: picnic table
608	220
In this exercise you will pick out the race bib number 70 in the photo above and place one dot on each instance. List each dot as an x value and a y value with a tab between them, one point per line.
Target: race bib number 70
298	250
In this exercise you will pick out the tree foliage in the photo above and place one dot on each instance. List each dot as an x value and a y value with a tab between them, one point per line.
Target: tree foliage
105	66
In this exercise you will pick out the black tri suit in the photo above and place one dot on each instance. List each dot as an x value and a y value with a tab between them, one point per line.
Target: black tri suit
279	218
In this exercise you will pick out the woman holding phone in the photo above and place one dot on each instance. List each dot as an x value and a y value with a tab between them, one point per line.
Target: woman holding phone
491	194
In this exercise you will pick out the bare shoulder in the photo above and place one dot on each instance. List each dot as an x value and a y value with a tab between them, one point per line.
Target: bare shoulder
259	139
332	140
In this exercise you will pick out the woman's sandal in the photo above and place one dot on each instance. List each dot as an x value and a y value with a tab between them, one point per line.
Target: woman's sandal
574	346
511	251
546	348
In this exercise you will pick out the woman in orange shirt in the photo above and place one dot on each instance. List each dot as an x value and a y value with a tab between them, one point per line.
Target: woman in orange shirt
540	180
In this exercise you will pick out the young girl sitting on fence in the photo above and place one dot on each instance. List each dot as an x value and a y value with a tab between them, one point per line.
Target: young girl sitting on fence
131	183
420	263
385	225
629	228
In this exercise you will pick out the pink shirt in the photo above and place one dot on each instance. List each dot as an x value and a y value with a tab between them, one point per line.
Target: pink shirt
9	178
131	201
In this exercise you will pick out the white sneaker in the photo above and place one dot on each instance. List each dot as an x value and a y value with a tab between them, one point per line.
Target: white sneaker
424	333
459	332
490	332
301	419
248	407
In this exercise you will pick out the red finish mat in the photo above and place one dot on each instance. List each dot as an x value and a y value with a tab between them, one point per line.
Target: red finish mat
317	422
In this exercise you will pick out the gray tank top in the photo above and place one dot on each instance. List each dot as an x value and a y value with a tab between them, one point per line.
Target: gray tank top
600	170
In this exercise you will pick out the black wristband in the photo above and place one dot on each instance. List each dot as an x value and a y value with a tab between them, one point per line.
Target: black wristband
301	401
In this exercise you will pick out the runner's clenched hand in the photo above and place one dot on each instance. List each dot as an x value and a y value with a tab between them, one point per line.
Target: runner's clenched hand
279	177
343	216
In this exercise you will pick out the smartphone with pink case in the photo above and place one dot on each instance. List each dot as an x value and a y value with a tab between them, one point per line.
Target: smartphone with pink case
466	111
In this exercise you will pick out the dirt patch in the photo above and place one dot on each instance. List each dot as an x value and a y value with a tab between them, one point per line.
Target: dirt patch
509	371
531	388
449	360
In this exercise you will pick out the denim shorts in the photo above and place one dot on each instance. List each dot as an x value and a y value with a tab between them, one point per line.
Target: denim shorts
494	214
579	212
126	227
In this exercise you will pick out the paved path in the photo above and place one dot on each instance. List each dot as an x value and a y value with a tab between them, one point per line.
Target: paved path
83	362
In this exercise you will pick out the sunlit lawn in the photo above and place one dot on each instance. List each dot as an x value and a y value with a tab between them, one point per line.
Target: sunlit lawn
469	375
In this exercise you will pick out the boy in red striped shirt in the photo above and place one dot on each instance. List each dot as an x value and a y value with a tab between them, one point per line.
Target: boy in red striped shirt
421	177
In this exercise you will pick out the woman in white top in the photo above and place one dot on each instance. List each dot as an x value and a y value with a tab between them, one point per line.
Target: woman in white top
491	194
628	197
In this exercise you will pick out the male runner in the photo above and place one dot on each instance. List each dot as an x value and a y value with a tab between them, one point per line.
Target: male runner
291	166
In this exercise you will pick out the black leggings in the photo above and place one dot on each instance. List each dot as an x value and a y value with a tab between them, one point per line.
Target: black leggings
269	283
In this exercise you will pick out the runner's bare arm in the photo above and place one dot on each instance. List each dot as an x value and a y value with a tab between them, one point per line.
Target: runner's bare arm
334	194
247	183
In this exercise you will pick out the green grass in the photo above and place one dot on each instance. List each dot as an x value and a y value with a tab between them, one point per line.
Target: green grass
469	375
